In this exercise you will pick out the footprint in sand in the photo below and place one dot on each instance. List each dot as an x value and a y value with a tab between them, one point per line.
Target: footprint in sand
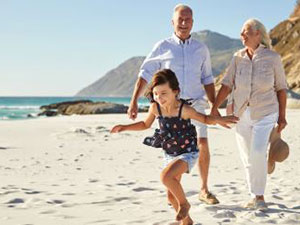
121	199
16	201
93	180
191	193
278	205
48	212
68	205
101	129
5	148
140	189
68	193
125	184
8	192
31	192
254	215
14	160
98	221
55	201
136	203
277	197
66	216
224	214
296	207
153	181
220	185
81	131
100	202
160	211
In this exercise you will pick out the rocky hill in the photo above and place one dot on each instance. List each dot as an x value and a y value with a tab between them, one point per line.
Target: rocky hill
120	81
286	41
117	82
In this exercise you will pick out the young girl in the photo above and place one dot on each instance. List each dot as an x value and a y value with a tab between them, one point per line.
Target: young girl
177	136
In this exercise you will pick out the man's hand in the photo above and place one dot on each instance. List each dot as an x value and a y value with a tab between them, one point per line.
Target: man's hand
132	110
139	88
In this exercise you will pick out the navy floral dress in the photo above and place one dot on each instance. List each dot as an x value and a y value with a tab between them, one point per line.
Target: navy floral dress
176	136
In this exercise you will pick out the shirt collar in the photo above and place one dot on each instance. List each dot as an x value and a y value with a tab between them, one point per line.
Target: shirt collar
259	48
180	42
256	51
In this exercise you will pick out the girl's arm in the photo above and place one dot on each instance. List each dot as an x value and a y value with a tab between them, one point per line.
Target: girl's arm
190	113
141	125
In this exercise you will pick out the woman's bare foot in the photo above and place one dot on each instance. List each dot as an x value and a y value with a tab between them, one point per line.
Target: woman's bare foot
183	211
187	221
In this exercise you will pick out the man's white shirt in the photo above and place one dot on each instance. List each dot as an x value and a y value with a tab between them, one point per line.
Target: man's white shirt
189	60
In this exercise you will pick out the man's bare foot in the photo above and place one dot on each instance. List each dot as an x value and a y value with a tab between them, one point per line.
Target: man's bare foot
183	211
208	198
187	221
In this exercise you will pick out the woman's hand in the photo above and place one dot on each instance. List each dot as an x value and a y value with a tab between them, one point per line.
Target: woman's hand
281	123
117	129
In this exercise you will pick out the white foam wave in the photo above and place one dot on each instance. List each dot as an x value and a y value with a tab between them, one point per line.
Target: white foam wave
19	107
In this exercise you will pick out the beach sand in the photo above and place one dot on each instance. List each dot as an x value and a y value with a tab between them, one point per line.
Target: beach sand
71	170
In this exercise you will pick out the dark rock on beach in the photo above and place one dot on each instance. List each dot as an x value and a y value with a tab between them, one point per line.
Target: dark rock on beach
62	105
84	107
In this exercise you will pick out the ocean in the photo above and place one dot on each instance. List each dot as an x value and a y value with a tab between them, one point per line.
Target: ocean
16	108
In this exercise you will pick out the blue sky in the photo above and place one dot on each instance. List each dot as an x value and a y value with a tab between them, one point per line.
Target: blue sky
55	48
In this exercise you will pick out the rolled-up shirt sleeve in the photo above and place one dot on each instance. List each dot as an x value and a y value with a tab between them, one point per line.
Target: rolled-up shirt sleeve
280	79
228	79
206	71
151	64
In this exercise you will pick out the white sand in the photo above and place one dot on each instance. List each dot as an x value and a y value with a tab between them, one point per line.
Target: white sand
70	170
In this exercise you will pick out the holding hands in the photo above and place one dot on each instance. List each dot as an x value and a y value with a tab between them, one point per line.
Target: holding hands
225	120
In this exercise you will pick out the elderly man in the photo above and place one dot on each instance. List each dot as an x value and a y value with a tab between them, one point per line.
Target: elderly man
190	60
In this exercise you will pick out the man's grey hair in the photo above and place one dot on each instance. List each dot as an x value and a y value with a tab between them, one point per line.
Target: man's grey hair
182	6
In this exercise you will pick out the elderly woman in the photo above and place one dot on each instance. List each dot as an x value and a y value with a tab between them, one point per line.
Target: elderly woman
257	81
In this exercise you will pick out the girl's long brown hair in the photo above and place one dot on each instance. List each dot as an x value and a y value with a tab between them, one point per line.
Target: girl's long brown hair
162	77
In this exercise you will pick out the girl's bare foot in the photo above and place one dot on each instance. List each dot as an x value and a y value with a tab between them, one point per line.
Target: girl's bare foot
183	211
187	221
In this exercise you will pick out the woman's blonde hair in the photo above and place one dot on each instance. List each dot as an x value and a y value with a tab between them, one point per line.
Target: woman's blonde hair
257	25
